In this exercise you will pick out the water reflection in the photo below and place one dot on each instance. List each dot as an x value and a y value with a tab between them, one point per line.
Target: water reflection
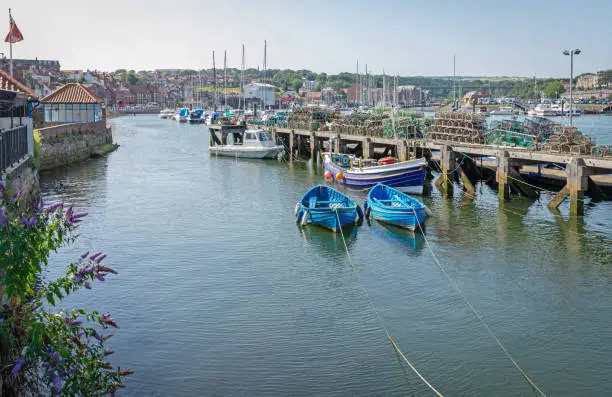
414	241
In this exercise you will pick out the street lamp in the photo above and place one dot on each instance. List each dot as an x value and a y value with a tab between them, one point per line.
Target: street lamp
571	54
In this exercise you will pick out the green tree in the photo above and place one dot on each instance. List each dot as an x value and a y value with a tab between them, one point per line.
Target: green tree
131	78
297	84
553	89
81	79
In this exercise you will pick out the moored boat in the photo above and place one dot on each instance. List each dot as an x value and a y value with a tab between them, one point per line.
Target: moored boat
256	144
407	176
502	111
391	206
327	207
166	113
196	117
182	115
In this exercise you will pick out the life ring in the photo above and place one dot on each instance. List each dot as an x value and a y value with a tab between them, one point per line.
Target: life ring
387	160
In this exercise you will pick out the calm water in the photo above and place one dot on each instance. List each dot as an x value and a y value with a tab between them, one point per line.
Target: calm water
220	293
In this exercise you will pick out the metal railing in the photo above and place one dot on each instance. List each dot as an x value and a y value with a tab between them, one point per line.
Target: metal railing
13	146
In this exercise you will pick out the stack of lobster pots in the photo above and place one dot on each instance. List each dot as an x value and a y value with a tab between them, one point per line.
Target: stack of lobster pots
566	139
458	127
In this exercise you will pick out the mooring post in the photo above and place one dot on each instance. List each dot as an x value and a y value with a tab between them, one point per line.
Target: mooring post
501	176
427	156
464	169
402	150
291	145
367	147
577	183
339	145
313	144
447	164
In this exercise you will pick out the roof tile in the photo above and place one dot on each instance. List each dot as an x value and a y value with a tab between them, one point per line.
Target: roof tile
12	84
72	93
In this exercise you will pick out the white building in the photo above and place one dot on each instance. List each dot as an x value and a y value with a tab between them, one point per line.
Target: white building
262	92
310	85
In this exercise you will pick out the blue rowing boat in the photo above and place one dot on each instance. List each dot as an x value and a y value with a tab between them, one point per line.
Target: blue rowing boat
386	204
327	207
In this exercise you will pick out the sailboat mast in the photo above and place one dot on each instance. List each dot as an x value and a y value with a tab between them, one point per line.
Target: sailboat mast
242	80
384	94
214	83
357	83
454	84
225	79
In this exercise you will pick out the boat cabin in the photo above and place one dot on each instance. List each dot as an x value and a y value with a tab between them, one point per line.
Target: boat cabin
258	138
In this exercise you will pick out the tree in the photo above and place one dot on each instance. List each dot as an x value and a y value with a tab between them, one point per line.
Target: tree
49	352
81	79
297	84
553	89
131	78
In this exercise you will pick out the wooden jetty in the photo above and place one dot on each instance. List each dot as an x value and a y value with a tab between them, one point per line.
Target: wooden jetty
454	157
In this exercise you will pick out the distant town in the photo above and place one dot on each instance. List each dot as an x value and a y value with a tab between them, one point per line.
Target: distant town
160	88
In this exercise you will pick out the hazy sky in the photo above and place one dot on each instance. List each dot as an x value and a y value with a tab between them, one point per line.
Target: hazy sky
489	37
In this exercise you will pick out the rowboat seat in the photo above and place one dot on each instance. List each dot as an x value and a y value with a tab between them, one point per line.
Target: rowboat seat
312	202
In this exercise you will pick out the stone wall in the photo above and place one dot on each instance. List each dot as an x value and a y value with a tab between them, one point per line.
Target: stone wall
25	179
65	144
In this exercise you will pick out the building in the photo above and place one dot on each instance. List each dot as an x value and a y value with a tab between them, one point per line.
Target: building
263	93
72	103
124	97
35	63
309	85
410	95
587	81
12	84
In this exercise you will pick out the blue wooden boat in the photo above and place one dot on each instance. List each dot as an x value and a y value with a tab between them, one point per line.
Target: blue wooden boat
389	205
327	207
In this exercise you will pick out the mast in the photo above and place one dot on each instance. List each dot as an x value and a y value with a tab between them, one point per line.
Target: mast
357	83
242	82
384	94
535	89
263	89
225	79
214	83
367	96
454	84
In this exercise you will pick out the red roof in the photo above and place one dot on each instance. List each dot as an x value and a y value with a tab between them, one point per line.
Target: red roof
72	93
10	83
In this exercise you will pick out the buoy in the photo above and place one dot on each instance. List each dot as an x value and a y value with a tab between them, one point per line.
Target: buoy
339	176
387	160
328	174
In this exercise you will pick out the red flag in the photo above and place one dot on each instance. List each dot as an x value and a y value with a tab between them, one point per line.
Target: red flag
14	35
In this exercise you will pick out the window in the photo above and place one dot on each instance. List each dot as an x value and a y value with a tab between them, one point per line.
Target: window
250	135
264	136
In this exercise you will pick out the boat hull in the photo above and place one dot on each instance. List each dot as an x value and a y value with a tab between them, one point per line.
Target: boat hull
254	153
408	178
328	208
405	211
332	219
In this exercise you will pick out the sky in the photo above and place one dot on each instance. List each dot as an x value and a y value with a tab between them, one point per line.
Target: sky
488	38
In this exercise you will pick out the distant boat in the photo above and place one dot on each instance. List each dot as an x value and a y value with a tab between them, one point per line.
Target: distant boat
166	113
196	117
389	205
327	207
407	176
182	115
544	110
502	111
256	144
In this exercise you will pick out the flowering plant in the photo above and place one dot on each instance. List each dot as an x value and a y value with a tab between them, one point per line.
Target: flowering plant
43	351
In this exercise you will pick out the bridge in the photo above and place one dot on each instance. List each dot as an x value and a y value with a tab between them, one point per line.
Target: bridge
455	158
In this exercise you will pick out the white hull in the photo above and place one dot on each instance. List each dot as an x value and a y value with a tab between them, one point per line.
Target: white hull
180	119
410	189
246	152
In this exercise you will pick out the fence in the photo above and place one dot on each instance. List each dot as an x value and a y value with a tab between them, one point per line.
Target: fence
13	146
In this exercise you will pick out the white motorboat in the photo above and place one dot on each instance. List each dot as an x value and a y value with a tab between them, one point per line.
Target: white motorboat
166	113
502	111
255	144
544	110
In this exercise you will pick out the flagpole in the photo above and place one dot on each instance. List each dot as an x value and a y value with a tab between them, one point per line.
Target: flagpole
10	48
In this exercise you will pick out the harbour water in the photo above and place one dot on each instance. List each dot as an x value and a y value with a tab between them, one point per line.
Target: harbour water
220	293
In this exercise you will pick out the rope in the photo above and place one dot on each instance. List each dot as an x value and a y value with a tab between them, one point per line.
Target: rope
469	304
397	349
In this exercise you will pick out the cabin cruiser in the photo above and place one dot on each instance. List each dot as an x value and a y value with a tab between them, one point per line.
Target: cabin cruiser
196	117
256	144
544	110
502	111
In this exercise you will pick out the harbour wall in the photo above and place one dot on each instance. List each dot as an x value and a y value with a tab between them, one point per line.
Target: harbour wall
65	144
23	177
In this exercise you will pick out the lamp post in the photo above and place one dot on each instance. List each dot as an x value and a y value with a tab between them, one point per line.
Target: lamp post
571	54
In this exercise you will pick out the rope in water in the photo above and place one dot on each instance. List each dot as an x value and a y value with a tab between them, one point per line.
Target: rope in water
469	304
395	346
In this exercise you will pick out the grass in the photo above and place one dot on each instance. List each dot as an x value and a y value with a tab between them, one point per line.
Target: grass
103	150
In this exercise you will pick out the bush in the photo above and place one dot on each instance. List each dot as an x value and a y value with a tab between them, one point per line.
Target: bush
44	351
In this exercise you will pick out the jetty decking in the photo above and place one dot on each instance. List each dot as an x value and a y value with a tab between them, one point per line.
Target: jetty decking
454	157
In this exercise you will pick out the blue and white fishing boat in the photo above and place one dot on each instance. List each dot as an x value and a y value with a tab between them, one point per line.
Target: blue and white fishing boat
407	176
327	207
389	205
182	115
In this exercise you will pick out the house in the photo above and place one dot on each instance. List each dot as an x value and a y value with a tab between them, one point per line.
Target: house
15	129
72	103
260	92
309	85
587	81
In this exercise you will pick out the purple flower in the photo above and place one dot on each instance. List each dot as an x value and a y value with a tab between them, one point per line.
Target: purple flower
16	196
3	219
1	320
88	270
53	207
106	315
55	359
100	258
86	284
78	277
37	207
57	383
2	185
94	256
100	276
108	351
17	366
78	215
85	255
29	222
98	337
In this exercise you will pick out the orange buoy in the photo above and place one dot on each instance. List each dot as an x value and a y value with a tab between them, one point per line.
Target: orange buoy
339	176
328	174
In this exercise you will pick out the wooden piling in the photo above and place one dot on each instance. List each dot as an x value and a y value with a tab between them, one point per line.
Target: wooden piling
577	182
501	176
447	164
291	145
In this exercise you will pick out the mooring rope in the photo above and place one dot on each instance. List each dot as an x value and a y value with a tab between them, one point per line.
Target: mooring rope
395	346
469	304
